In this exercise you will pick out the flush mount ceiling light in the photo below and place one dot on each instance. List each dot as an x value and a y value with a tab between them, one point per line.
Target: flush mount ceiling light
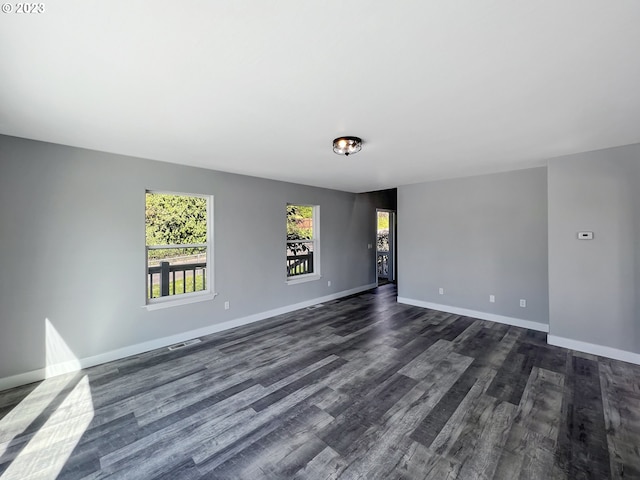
347	145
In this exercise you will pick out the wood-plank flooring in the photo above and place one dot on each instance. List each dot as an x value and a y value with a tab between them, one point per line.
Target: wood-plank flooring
359	388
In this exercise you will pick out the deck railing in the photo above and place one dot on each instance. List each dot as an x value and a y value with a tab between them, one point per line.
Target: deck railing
383	264
166	274
299	264
167	277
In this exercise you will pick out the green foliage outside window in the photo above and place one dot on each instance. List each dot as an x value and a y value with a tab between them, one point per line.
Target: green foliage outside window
299	227
383	220
175	220
299	222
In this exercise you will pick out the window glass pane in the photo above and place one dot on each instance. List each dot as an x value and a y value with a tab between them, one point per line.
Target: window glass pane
175	219
301	240
299	222
299	258
172	220
175	271
383	231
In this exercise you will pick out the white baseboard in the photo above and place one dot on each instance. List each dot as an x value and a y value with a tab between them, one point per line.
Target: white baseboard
137	349
594	349
22	379
516	322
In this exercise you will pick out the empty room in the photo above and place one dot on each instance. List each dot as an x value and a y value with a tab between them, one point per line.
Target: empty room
343	240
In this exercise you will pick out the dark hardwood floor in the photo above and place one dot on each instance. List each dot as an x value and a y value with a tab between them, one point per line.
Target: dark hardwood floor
361	387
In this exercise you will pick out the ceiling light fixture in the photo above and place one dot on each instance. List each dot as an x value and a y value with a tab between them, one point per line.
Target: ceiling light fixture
347	145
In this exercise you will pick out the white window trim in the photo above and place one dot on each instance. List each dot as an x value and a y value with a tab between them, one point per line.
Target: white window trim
182	299
309	277
316	275
191	297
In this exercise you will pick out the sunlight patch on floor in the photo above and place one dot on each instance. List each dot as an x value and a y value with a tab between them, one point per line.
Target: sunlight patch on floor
51	446
24	414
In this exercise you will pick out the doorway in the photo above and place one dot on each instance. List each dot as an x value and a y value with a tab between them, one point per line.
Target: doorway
385	245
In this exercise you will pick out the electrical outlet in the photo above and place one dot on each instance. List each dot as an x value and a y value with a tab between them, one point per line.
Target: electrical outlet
523	303
441	291
492	298
328	283
226	305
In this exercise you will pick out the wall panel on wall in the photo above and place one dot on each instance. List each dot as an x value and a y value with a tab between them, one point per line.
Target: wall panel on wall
475	237
594	284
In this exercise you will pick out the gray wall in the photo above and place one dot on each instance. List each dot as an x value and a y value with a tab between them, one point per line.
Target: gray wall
594	285
474	237
72	249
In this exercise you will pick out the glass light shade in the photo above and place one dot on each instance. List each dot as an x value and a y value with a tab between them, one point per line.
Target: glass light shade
347	145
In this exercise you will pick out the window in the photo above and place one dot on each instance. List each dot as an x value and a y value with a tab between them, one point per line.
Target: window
303	242
178	245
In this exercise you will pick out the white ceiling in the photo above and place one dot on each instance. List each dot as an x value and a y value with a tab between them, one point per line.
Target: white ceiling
436	89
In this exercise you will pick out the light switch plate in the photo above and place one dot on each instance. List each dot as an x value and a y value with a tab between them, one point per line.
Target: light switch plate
585	235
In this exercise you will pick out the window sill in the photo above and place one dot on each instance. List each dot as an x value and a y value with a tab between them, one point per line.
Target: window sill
303	279
174	302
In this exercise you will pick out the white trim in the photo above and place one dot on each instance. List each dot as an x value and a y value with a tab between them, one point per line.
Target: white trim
182	194
177	245
40	374
594	349
516	322
22	379
182	299
211	246
317	254
310	277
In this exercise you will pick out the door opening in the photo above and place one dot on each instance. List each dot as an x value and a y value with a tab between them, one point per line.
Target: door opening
385	246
